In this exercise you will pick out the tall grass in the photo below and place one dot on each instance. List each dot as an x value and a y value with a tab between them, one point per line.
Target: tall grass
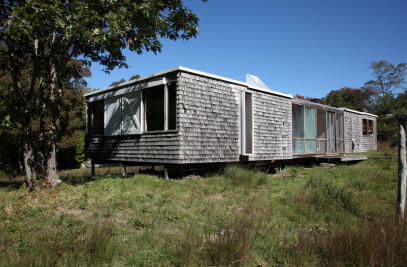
244	177
326	196
379	242
70	246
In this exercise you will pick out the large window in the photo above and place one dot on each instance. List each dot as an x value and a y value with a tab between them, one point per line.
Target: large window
124	114
367	127
131	113
316	130
154	108
172	106
95	118
160	108
304	129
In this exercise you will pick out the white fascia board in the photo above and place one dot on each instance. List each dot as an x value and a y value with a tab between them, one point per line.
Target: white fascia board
212	76
180	68
269	91
234	81
126	89
315	105
359	112
113	87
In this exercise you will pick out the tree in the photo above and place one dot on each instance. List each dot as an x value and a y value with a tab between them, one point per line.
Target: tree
70	128
46	35
352	98
387	76
134	77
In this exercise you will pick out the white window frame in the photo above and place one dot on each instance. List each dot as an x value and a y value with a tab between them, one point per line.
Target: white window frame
166	109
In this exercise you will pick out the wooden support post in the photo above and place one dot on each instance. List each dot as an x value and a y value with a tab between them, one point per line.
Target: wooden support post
124	173
401	189
93	167
402	170
166	173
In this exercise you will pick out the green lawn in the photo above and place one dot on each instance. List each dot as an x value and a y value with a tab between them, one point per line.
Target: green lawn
301	216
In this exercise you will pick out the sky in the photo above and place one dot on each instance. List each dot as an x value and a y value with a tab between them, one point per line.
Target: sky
305	47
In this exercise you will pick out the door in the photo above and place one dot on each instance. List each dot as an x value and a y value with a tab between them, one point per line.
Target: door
330	131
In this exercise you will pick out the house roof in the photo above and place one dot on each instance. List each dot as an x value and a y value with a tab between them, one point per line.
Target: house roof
179	68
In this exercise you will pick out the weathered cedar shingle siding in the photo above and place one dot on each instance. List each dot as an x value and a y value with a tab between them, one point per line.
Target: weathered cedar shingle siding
272	127
353	130
160	148
208	119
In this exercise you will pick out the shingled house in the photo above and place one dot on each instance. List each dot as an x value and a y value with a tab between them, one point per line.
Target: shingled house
182	116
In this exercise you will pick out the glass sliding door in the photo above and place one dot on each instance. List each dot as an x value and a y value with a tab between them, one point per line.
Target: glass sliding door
339	133
321	131
304	122
310	129
330	131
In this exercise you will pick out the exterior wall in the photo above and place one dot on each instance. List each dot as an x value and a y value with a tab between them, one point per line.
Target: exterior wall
208	119
161	147
353	131
208	115
272	127
147	148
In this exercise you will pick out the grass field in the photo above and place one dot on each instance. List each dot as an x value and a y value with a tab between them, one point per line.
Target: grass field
302	216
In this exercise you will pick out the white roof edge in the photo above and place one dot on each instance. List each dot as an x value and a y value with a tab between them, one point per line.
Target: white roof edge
269	91
191	71
134	81
359	112
314	104
212	75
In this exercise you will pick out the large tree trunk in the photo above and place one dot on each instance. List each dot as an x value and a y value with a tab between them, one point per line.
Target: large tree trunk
52	135
27	158
52	159
401	190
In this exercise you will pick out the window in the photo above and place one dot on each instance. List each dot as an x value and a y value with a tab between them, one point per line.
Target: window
367	127
248	123
160	108
304	121
313	130
339	132
113	116
131	113
172	106
154	108
95	118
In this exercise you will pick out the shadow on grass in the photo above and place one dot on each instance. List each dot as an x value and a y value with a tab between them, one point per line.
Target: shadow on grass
11	185
79	180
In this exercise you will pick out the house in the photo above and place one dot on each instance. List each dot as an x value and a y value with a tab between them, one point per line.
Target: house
182	116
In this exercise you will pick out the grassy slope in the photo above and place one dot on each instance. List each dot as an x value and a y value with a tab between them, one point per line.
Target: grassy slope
298	217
